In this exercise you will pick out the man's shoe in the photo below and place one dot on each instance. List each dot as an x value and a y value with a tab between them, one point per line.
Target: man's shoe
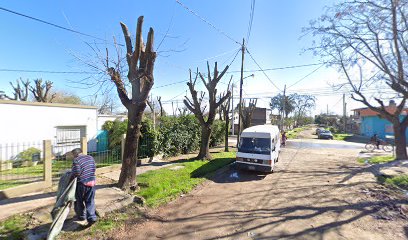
90	223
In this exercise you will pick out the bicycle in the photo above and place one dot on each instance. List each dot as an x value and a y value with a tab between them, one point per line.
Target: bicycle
385	146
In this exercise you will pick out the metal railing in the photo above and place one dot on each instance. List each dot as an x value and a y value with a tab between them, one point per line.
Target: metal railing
21	163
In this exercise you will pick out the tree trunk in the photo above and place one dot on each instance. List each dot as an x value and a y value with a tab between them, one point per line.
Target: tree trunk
400	141
226	133
205	142
127	178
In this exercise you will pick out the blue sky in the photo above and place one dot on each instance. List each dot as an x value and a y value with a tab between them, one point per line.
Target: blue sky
274	42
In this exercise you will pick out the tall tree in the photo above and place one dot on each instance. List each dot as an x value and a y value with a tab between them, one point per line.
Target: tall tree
368	42
20	92
302	104
140	60
247	112
279	102
225	108
195	107
41	91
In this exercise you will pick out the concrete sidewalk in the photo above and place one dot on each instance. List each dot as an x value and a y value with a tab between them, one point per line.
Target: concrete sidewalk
105	193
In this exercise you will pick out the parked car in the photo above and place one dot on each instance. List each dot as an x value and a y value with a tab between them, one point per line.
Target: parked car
318	130
325	134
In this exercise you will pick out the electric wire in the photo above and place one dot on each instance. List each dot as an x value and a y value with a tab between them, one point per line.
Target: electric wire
260	68
207	22
52	24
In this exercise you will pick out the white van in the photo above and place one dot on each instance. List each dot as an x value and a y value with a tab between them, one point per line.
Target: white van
259	148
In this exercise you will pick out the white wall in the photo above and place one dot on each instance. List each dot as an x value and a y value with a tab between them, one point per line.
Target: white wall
103	118
31	122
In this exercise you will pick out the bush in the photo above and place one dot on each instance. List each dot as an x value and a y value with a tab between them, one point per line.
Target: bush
218	133
27	154
148	144
179	135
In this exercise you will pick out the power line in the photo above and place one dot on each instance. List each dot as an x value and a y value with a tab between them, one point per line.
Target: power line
207	22
170	84
280	68
251	18
306	76
52	24
44	71
260	68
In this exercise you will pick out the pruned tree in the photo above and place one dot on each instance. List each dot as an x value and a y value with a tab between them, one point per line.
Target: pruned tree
225	108
246	113
20	92
182	111
195	105
41	91
150	103
162	112
368	42
140	61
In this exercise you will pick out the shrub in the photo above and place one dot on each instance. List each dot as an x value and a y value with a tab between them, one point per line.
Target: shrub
179	135
148	144
27	154
218	133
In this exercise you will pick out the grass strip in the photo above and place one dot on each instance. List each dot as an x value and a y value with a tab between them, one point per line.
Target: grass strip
400	181
376	159
341	136
13	227
163	185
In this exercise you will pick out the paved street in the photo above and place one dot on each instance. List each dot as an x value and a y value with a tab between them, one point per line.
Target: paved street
318	191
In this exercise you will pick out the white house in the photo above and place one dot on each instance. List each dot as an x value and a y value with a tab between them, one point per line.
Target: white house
22	122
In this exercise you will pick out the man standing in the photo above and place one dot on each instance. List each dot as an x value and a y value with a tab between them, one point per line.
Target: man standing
83	167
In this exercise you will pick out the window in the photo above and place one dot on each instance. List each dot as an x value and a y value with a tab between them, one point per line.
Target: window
255	145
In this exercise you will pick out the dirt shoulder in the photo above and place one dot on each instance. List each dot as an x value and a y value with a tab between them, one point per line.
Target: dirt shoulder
313	194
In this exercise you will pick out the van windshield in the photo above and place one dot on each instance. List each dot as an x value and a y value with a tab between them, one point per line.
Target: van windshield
255	145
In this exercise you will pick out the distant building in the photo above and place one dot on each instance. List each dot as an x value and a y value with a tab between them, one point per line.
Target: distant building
370	122
259	117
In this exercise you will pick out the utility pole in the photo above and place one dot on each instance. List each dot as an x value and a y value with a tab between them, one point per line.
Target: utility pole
240	90
233	112
283	109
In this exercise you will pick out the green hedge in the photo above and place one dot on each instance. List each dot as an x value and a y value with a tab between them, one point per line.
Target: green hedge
179	135
173	136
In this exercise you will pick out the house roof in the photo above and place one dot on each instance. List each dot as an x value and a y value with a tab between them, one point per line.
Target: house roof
365	112
46	104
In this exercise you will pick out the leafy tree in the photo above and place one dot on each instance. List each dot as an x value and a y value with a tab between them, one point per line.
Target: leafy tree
368	42
278	102
302	105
